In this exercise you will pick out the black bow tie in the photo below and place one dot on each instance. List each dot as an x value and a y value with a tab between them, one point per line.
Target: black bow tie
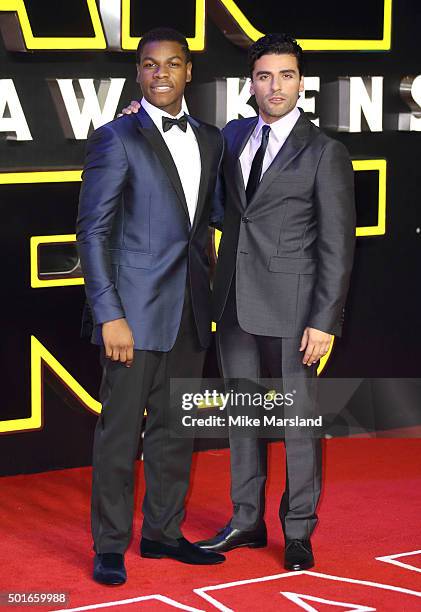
168	122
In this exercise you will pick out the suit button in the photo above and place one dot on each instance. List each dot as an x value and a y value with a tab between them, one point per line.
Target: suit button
245	220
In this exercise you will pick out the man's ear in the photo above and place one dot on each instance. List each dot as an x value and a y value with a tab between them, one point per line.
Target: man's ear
189	68
301	89
251	88
137	73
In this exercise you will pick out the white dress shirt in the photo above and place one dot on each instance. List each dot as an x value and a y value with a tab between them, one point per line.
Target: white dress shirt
279	132
185	153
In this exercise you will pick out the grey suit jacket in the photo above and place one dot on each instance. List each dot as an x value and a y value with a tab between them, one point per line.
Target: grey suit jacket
292	247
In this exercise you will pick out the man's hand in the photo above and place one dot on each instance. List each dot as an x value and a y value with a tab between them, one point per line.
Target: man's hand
118	341
132	108
315	343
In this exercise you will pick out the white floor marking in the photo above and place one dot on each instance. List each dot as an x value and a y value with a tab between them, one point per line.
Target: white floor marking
204	591
123	602
392	560
300	600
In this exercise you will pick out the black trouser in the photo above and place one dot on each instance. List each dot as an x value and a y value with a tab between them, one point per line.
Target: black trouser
124	394
244	356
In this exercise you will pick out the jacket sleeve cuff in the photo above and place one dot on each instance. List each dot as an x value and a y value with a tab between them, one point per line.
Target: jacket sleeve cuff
326	324
107	312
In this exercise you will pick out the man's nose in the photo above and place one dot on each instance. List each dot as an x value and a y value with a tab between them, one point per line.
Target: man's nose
277	84
161	71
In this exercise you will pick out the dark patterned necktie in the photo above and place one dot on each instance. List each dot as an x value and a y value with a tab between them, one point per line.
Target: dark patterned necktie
256	166
168	122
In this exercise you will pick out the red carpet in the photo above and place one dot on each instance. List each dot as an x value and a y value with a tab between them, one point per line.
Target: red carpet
371	507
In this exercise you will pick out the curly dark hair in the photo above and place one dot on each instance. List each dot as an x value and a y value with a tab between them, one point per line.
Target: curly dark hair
276	44
167	34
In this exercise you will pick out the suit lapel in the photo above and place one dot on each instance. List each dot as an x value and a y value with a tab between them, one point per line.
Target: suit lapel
240	140
298	139
205	158
149	130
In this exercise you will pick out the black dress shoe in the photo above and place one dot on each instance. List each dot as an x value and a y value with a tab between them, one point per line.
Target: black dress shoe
185	551
298	555
109	568
230	538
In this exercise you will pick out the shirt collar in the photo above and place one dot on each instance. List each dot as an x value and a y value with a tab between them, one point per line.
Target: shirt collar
279	129
156	113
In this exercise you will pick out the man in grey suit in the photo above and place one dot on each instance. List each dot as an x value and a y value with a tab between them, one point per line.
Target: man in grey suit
281	282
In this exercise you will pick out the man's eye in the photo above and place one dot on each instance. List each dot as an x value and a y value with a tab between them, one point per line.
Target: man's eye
263	77
288	76
174	65
148	65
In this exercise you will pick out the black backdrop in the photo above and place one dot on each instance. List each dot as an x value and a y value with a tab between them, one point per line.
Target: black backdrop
381	336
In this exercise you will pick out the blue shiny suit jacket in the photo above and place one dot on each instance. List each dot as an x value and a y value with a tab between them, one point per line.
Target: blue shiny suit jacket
134	236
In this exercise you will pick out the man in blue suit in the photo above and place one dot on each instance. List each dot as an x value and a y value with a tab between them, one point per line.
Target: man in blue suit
142	234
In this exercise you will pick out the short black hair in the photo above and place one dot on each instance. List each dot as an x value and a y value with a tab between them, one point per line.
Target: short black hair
167	34
275	44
